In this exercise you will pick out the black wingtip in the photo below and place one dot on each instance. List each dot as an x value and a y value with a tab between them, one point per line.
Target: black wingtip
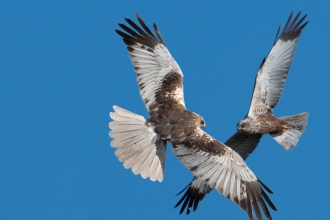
127	29
278	32
288	21
196	204
264	208
158	34
190	199
137	28
265	187
302	26
292	29
145	27
133	34
183	190
122	34
184	205
183	197
187	200
269	202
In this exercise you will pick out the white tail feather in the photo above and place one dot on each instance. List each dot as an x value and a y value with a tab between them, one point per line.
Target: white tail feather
288	139
297	124
138	146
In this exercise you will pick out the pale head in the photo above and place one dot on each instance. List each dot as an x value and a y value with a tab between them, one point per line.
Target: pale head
203	124
200	121
244	125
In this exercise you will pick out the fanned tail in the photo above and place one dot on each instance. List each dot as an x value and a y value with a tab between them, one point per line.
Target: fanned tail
297	124
138	146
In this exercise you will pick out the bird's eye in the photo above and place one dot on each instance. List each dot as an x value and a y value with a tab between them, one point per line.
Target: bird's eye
203	125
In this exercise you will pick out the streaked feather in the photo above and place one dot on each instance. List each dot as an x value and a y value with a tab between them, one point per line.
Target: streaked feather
152	61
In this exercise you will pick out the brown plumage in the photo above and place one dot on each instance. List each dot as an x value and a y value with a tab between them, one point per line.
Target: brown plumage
174	123
141	143
268	87
263	124
269	84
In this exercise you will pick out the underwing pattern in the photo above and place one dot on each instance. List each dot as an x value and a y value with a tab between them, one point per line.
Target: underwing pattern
141	142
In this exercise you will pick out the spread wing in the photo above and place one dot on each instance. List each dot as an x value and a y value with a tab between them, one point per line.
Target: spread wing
224	170
274	69
158	75
241	143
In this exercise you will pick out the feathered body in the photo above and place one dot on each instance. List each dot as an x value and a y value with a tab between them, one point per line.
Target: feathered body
263	124
141	143
175	123
268	87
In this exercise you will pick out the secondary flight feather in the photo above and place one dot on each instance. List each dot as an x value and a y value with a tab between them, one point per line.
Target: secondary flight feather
141	142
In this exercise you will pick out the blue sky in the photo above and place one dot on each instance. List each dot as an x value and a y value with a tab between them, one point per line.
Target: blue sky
62	68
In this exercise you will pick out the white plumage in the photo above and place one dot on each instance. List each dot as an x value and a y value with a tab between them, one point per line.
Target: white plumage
219	172
138	146
151	68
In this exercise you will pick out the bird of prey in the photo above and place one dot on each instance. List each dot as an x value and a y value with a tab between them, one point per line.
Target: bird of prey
268	87
141	143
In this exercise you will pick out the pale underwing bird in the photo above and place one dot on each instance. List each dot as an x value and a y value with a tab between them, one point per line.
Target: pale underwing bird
268	88
141	142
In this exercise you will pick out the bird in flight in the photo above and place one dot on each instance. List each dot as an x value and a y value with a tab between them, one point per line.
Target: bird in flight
267	91
141	142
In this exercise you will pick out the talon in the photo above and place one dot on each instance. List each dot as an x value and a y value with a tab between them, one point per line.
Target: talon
285	128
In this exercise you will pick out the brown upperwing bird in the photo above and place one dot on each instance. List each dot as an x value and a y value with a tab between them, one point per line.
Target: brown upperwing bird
268	87
141	142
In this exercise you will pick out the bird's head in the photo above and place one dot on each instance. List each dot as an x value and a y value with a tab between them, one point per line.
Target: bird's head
199	121
203	124
244	125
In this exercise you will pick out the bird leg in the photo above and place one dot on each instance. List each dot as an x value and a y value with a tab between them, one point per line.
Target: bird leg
285	128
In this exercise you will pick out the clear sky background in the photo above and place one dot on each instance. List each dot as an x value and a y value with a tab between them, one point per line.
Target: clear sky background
62	68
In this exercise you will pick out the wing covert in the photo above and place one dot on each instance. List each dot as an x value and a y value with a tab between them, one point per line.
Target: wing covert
224	170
